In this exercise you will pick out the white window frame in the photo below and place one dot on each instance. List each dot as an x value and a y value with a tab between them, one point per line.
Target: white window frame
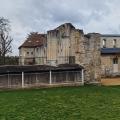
114	43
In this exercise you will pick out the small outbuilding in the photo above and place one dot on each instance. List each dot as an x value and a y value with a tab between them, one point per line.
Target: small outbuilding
41	75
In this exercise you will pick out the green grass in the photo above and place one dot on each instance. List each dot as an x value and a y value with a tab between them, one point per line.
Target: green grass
67	103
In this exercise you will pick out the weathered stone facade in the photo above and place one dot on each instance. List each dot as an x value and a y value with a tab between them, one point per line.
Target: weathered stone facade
33	50
110	55
66	44
93	58
63	45
110	40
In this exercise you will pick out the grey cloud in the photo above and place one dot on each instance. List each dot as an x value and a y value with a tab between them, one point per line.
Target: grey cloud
42	15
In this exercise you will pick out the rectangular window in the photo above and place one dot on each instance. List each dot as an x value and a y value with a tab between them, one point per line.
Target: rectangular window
71	59
114	43
104	43
27	53
37	49
115	60
31	53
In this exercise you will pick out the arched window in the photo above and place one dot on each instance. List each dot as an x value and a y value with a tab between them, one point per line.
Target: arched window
104	43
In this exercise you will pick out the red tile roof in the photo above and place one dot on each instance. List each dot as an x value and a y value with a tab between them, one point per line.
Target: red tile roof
34	40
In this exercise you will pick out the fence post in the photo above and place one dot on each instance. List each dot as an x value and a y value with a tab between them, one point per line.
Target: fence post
22	79
36	79
50	79
8	80
82	76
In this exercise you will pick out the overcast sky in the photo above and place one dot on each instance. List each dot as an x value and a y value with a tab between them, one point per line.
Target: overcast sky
26	16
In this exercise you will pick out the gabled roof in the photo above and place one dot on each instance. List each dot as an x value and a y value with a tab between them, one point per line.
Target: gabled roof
34	40
110	50
65	24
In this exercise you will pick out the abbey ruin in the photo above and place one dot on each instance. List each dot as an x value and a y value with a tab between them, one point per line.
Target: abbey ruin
65	45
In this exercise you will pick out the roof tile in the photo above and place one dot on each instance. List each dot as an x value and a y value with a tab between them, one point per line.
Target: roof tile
34	40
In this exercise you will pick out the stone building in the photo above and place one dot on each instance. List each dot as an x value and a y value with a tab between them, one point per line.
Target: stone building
33	50
110	54
67	45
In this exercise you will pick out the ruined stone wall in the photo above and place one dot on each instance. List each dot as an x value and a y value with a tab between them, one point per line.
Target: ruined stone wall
52	47
78	46
63	44
66	44
93	58
86	50
60	45
66	41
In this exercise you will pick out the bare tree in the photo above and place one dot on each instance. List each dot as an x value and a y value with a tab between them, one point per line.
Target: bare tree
5	38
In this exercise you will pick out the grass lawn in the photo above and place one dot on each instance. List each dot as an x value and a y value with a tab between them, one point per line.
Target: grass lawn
67	103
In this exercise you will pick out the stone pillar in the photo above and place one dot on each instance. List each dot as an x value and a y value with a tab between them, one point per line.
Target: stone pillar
93	58
22	79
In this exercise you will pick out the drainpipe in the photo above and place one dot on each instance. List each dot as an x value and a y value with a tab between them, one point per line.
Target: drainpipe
8	79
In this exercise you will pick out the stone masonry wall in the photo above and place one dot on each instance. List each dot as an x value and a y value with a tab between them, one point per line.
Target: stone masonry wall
67	41
93	58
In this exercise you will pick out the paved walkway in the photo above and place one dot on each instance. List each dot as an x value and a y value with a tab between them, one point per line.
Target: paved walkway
110	81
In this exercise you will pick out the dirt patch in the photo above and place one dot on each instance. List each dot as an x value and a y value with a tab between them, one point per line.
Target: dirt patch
110	81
